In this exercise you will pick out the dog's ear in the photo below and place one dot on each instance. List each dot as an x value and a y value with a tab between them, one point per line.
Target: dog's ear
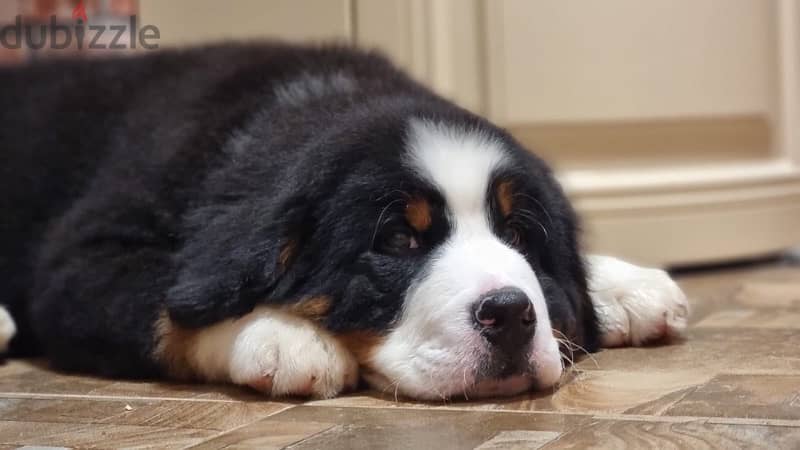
233	258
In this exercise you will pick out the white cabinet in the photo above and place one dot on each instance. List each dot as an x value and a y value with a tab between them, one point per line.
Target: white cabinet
628	60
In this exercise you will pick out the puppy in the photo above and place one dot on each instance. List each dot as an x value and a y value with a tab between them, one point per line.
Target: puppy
292	219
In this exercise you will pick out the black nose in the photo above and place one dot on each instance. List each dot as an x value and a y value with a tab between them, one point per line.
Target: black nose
506	317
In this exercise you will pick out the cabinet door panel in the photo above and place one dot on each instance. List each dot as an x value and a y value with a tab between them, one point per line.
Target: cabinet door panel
557	60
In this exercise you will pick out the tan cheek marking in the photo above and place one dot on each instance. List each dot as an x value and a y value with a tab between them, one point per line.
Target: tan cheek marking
418	214
286	255
313	308
505	197
362	344
173	344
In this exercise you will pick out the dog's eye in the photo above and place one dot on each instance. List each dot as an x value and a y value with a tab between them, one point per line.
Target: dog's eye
400	241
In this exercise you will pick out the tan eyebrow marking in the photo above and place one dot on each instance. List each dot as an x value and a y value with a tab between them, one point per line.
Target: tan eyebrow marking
286	255
418	214
505	196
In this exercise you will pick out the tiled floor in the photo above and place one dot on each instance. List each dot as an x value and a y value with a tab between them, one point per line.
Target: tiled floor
735	383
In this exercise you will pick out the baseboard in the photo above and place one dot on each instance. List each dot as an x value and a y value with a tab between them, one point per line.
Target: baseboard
685	216
639	143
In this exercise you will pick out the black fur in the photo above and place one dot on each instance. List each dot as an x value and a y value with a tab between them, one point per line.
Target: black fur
173	181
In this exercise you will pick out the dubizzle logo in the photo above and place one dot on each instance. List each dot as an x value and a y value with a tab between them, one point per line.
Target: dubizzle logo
57	35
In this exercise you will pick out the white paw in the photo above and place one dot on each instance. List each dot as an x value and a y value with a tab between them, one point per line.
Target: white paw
7	328
282	355
635	305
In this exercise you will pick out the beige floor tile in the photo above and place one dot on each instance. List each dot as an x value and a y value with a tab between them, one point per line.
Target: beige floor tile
534	401
141	412
34	377
373	428
590	392
637	435
98	436
157	389
519	440
616	391
710	351
274	434
740	318
750	286
763	294
748	396
660	405
14	367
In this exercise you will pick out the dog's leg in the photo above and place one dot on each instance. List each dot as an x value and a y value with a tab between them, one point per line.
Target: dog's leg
268	350
635	305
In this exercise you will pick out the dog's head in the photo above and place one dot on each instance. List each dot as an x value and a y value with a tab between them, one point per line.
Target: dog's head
438	250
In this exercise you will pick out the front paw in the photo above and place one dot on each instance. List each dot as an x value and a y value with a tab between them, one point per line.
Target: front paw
282	355
636	305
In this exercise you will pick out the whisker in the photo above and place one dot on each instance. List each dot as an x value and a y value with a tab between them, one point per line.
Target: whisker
393	191
466	397
538	203
532	217
380	219
395	382
568	370
563	340
389	386
575	346
572	369
571	357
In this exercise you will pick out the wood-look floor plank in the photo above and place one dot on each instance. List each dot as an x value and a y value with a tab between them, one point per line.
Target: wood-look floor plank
748	396
265	435
158	413
712	351
98	435
695	435
371	428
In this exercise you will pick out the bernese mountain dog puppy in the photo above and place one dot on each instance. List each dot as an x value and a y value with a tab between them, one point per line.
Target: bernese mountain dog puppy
293	219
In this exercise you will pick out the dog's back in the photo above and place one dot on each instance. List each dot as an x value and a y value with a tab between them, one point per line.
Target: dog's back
158	119
54	129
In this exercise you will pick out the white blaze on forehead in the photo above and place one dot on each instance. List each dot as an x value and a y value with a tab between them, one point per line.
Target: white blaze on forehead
459	162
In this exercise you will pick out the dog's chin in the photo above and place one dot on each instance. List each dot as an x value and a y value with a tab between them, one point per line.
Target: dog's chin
503	387
480	374
487	387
